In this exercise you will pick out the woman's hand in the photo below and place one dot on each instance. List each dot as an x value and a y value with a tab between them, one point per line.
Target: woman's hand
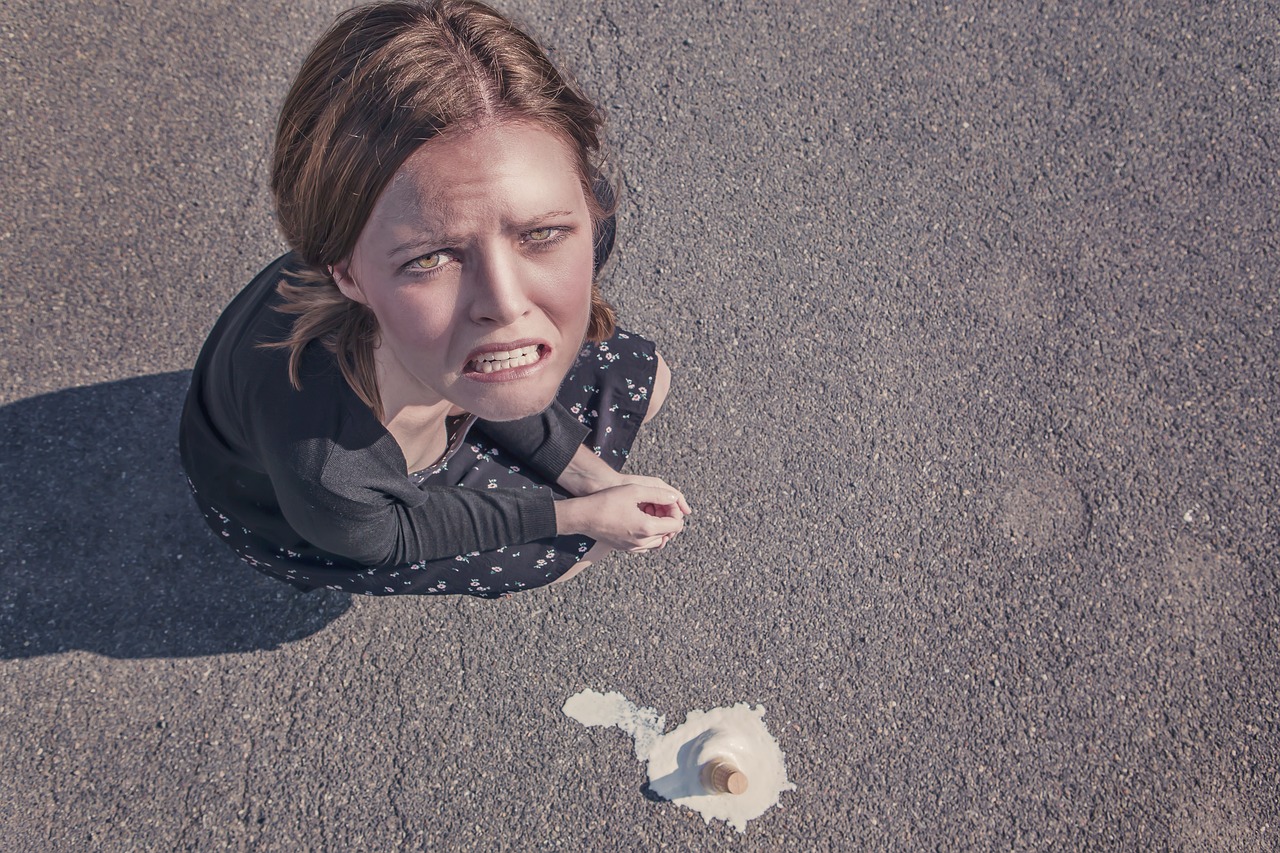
588	474
656	483
629	517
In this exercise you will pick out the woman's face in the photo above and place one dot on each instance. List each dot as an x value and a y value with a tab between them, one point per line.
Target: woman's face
477	263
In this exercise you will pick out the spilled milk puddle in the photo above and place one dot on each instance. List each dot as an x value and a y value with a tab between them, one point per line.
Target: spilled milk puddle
721	763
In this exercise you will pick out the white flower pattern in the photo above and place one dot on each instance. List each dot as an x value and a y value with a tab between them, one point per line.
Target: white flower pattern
612	377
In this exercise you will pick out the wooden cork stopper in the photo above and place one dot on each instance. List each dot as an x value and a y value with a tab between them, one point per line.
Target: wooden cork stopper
720	776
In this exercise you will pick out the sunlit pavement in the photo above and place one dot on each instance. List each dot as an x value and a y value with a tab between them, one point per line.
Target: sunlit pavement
972	315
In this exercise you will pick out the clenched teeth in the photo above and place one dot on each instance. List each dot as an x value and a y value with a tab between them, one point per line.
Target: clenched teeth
492	362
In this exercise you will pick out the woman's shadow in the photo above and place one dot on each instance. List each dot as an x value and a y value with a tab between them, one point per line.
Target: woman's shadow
101	545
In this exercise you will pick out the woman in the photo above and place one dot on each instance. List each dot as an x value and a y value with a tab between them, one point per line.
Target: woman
428	393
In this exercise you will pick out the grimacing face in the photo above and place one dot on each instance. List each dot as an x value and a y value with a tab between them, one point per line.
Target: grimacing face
477	263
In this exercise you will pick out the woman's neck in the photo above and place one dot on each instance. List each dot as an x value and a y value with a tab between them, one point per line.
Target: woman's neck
402	395
413	415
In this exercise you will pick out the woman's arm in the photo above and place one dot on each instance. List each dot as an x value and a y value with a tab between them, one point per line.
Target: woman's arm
587	474
544	440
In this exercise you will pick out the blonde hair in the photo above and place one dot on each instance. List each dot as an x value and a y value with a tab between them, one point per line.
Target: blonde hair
384	79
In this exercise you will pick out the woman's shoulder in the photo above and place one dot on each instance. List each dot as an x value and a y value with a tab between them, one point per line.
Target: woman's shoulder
245	352
249	318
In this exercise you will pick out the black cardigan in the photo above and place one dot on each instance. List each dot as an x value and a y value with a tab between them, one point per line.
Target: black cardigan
314	471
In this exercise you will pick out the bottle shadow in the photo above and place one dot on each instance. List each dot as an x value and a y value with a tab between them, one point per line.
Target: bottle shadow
684	781
102	548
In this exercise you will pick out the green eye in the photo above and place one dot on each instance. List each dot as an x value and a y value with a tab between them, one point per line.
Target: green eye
541	235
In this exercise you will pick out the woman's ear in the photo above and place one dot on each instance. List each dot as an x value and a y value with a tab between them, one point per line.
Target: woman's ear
341	273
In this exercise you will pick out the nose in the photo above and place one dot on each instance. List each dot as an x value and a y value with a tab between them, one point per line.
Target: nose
498	293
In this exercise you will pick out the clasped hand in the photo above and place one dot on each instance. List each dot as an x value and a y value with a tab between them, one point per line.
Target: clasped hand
624	512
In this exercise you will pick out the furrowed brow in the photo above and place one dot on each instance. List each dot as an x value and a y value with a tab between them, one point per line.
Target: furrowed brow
424	241
429	240
543	217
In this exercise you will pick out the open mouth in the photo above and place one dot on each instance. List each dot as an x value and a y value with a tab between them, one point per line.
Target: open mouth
494	362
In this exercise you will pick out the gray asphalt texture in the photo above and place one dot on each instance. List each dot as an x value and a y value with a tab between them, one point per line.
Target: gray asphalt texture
972	311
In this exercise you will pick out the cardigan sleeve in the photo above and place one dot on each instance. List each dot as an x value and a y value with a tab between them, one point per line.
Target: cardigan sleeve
340	483
353	517
545	441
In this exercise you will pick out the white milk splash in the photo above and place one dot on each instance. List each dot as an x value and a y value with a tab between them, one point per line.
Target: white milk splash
687	765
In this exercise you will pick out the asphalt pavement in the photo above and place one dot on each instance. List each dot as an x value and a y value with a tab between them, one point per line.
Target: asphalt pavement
972	311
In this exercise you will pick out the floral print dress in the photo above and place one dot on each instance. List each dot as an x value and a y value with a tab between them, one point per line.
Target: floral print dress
607	388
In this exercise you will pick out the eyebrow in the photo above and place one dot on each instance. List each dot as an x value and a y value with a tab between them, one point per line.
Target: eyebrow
429	239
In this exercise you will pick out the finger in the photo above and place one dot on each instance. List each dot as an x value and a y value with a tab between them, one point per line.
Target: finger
656	495
658	510
656	526
676	494
653	543
680	501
